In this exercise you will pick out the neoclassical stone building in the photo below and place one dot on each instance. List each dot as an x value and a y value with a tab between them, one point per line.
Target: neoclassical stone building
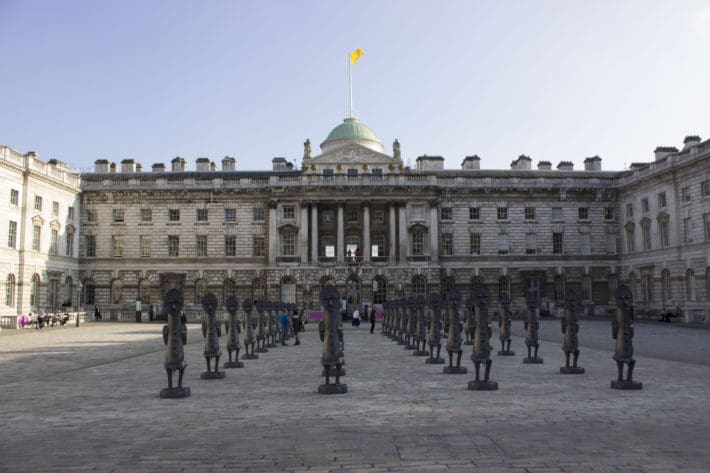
356	216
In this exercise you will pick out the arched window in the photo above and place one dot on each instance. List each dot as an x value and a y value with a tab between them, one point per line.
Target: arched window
418	286
448	284
10	290
68	290
258	290
666	285
352	247
34	292
144	291
116	291
352	289
379	290
230	288
504	286
89	292
559	288
200	290
690	285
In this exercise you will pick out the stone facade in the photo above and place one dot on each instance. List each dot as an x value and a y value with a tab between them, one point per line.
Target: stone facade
357	216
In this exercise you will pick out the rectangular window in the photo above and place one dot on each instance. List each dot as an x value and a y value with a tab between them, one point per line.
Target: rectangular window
70	213
173	245
557	243
118	215
70	244
646	231
474	213
629	210
36	234
145	245
475	243
90	243
53	240
288	244
117	246
664	234
583	213
230	215
14	197
202	215
376	174
556	213
327	174
705	188
289	212
378	216
585	246
352	216
259	214
55	208
685	194
230	245
146	215
502	213
529	213
447	244
446	213
200	245
38	203
90	216
259	245
327	217
378	245
12	234
608	213
706	222
644	205
173	215
418	243
530	244
503	243
662	200
687	225
631	240
417	212
611	244
352	174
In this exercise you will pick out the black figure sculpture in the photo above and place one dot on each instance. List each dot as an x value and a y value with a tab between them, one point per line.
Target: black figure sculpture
622	327
532	324
174	336
403	318
469	316
261	328
421	326
453	341
332	345
435	331
211	330
482	332
272	325
385	317
570	328
233	328
249	326
411	327
504	323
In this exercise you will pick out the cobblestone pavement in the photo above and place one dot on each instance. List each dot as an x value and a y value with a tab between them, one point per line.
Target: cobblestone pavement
86	399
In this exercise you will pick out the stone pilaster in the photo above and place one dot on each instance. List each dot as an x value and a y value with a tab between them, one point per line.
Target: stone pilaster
366	232
341	233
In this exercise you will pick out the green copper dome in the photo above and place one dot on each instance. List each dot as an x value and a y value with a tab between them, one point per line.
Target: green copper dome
352	130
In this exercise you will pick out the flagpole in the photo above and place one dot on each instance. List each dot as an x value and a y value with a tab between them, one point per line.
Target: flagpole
350	86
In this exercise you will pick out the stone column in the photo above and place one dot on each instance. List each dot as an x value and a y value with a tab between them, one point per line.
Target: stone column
340	249
365	251
434	231
303	231
314	232
273	234
393	234
403	240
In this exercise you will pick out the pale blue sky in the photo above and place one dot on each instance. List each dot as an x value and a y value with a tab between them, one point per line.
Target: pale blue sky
150	80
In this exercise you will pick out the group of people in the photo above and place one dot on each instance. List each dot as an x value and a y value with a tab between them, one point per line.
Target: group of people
42	319
369	315
293	323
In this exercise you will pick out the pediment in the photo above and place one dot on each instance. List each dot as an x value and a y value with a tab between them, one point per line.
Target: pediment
353	154
37	221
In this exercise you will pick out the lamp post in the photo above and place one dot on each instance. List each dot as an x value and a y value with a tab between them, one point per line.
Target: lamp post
78	302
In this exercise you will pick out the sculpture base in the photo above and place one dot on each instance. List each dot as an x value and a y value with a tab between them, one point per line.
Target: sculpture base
174	393
571	370
333	388
532	361
233	364
455	370
261	350
506	353
251	356
420	353
212	375
434	361
482	385
331	371
616	384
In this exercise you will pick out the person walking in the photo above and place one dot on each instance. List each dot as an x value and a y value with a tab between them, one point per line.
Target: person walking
373	317
356	319
97	312
297	327
283	321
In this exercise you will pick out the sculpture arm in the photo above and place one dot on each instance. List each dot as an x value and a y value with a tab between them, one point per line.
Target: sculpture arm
614	328
564	325
204	328
226	326
166	330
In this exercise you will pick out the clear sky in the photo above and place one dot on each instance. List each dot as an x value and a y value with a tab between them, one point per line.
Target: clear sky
151	80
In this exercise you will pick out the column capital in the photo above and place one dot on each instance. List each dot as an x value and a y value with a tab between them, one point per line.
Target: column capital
433	203
366	203
340	203
400	203
273	204
305	204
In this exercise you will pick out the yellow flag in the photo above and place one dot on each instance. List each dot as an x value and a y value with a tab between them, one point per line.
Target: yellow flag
355	55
